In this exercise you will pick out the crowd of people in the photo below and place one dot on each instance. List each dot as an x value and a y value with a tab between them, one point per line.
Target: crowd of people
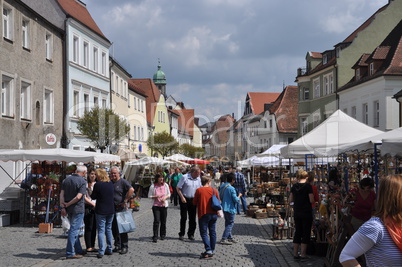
94	197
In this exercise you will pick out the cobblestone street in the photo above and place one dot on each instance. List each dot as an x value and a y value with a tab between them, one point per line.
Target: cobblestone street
23	246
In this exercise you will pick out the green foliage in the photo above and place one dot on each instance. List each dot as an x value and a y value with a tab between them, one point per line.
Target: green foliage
163	143
103	127
191	151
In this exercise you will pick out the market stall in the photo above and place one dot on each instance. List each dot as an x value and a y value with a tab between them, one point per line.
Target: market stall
45	169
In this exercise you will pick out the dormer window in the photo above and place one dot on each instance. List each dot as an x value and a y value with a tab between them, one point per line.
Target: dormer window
371	68
357	74
338	51
325	59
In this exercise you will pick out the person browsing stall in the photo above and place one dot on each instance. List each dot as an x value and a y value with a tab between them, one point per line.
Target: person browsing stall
241	188
186	188
380	238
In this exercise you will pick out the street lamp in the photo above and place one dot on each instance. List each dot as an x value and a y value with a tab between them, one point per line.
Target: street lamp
133	146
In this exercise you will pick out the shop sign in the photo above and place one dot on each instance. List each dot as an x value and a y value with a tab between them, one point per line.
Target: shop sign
50	139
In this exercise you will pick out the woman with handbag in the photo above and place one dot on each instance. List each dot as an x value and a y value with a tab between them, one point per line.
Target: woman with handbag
207	215
160	193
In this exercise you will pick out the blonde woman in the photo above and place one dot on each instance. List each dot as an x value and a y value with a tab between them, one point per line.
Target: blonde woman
104	211
380	238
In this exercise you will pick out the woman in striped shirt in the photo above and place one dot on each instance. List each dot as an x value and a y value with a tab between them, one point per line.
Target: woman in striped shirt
380	238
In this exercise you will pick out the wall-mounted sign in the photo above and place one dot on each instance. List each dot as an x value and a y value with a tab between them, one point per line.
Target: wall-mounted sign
50	139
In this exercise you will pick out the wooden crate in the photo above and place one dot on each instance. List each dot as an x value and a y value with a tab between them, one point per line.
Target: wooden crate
260	215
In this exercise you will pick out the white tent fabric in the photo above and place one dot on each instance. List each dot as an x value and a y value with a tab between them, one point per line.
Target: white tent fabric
337	130
131	168
392	147
367	144
274	150
180	157
57	154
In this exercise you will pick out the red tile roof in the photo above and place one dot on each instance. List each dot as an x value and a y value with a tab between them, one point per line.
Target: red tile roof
150	89
79	12
361	62
380	52
285	109
257	100
316	54
135	88
186	120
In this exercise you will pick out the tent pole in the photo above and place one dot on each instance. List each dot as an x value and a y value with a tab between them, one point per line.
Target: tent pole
376	165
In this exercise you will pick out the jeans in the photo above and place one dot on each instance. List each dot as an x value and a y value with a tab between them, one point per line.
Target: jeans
73	239
243	201
120	240
160	214
192	211
104	226
207	223
229	222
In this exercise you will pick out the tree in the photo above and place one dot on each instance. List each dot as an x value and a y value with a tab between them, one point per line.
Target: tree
163	143
191	151
103	127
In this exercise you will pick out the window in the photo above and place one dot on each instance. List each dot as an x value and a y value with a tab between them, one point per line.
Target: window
48	107
104	103
96	101
270	123
116	84
328	84
49	46
25	34
103	63
142	134
303	125
376	113
95	59
365	113
325	59
75	49
7	96
357	74
139	133
371	68
7	23
86	102
345	110
306	93
135	103
25	101
86	55
76	101
135	132
316	84
353	113
316	120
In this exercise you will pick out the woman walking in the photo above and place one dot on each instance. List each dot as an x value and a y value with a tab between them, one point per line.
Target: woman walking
104	211
160	193
206	215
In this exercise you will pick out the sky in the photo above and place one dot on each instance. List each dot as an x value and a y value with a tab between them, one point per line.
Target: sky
215	51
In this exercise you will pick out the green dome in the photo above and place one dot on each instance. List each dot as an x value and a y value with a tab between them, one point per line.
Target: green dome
159	76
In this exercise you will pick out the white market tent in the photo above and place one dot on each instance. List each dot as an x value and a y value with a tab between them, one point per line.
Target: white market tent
179	157
392	147
367	144
56	154
274	150
131	168
337	130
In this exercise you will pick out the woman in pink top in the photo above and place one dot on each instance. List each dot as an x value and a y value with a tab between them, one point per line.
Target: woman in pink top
364	199
159	192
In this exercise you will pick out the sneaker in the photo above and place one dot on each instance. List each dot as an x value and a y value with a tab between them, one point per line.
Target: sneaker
191	237
225	242
181	237
234	241
154	239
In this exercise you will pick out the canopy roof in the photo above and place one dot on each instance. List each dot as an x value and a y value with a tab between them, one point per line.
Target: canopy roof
57	154
337	130
367	144
274	150
180	157
392	147
147	161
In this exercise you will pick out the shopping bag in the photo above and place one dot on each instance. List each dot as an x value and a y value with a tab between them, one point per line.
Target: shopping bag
215	203
125	221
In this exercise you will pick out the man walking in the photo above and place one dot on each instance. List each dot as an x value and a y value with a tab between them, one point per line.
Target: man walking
73	188
229	200
186	188
123	191
241	188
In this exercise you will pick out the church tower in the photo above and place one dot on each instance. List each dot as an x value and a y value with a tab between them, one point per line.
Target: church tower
160	80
